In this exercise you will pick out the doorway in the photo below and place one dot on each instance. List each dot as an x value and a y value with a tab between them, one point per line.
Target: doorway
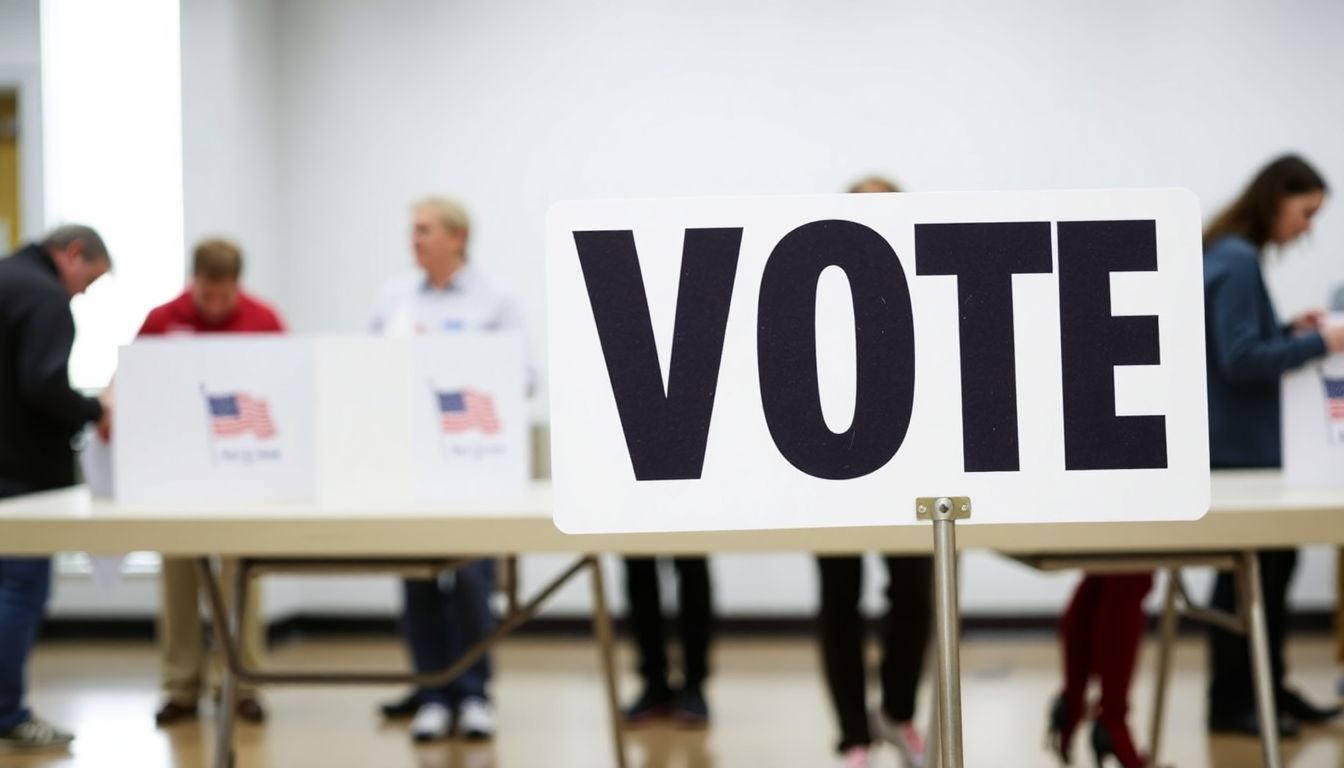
9	170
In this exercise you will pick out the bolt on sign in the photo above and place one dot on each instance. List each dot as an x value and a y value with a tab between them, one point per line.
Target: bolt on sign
785	362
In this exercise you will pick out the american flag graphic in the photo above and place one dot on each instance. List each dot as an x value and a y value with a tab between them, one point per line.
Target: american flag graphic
1334	399
238	414
467	410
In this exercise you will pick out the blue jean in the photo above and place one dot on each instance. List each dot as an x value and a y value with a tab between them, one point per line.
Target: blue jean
25	583
443	618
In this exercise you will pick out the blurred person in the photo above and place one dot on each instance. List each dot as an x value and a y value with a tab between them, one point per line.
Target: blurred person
1249	349
686	702
904	639
443	617
1099	637
40	416
213	302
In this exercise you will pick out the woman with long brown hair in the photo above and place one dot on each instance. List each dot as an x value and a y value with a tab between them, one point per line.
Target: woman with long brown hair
1248	351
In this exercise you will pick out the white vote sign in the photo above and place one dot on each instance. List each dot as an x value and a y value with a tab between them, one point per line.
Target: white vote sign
780	362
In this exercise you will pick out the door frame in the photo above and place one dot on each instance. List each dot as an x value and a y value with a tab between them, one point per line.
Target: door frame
26	81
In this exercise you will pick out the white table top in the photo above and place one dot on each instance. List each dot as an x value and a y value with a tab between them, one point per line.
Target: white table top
1251	509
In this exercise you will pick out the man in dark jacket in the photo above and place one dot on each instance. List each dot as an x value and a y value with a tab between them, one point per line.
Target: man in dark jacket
40	416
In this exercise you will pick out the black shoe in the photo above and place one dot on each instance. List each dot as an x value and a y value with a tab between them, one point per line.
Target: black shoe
1248	724
1292	703
401	709
172	713
249	710
690	709
654	702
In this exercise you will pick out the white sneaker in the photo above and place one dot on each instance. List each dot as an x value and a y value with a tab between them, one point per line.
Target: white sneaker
905	737
855	757
475	719
34	735
433	722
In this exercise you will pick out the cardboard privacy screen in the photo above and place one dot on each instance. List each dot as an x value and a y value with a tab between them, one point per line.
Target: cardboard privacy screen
782	362
1313	423
350	422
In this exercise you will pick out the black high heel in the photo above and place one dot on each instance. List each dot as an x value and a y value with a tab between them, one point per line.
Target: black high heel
1054	732
1103	746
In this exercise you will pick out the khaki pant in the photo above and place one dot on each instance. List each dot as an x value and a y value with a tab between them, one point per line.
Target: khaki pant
187	671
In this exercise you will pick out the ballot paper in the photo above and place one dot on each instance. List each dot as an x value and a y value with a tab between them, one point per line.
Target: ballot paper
96	463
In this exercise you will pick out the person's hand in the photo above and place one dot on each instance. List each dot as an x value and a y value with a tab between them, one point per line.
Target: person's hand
105	423
1334	337
1311	320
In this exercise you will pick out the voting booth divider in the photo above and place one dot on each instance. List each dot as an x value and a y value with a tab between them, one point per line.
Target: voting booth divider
358	421
880	359
1313	423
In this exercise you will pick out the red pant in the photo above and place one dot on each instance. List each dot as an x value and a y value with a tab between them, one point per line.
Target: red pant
1100	632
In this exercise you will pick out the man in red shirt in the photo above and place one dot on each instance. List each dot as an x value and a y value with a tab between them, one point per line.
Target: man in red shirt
212	303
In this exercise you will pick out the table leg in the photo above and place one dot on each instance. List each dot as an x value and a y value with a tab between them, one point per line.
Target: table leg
223	623
1164	651
606	645
1257	636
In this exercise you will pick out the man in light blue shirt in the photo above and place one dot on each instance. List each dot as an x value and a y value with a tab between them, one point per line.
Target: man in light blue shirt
444	617
446	294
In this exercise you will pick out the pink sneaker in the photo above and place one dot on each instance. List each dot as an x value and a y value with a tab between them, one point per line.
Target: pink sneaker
855	757
905	737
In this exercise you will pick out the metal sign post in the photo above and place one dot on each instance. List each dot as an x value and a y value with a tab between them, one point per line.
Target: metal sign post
944	511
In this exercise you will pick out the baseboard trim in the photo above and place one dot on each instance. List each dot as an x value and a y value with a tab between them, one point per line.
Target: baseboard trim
141	628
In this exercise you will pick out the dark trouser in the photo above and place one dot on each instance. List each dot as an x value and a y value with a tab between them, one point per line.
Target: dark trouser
25	584
441	620
905	636
695	619
1231	687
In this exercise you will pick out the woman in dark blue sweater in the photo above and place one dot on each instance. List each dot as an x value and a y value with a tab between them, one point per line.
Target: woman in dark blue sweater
1248	351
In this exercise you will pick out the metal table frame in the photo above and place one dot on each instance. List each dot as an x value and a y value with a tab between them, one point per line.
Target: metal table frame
228	621
1249	620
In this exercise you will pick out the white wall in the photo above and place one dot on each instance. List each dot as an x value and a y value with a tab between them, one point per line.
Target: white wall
112	158
229	133
512	109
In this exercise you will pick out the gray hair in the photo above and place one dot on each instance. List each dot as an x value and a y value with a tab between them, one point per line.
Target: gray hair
449	212
67	234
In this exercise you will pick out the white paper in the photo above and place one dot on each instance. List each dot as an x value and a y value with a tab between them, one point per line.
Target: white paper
95	462
106	570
